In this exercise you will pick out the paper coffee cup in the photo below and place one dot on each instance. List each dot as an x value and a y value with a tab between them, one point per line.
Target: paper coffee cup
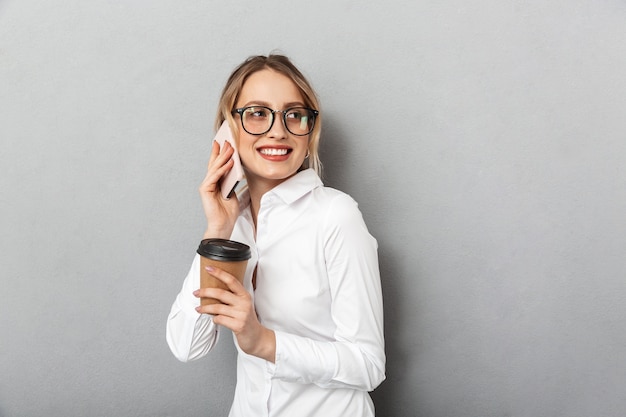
224	254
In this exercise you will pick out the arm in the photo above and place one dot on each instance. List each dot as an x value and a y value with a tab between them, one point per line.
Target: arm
356	358
236	312
189	334
221	214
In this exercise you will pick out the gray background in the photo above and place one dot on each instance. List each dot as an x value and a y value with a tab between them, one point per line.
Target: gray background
485	142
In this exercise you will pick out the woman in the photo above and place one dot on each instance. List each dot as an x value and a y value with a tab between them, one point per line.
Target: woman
307	320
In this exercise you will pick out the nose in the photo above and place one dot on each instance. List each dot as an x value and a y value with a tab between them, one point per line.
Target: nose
278	130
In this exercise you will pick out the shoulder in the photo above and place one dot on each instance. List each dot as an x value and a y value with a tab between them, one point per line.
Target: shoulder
334	199
338	209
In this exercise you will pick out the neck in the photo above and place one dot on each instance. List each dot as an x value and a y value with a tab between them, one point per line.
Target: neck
257	187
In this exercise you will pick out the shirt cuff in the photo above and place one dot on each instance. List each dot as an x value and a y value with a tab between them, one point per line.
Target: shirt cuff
303	360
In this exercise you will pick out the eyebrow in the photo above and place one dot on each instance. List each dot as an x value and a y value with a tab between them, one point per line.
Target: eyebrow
266	104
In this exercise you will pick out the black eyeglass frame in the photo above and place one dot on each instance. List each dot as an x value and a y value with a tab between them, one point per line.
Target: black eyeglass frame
241	110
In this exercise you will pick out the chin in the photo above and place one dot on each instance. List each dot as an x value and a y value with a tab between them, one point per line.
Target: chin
271	175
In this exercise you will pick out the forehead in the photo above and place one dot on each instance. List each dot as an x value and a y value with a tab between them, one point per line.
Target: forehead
270	87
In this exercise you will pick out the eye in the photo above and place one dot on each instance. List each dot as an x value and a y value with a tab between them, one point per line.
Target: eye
296	114
257	113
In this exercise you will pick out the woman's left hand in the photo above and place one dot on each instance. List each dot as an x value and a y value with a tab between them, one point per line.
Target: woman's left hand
237	313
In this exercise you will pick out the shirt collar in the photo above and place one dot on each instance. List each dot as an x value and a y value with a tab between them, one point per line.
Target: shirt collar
297	186
289	191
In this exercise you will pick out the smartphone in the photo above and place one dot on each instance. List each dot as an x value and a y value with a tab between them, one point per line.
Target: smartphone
232	177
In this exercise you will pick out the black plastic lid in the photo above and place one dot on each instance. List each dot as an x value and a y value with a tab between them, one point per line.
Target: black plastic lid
224	250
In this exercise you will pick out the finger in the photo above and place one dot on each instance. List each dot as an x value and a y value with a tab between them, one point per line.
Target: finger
221	154
213	176
221	310
217	149
231	282
223	296
215	172
227	316
235	325
220	157
217	309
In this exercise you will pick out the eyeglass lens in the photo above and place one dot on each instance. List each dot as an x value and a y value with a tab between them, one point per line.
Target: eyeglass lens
258	120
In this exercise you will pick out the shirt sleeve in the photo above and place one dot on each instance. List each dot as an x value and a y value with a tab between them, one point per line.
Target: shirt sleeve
190	335
356	357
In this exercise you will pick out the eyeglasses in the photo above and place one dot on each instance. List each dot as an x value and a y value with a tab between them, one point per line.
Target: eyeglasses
258	120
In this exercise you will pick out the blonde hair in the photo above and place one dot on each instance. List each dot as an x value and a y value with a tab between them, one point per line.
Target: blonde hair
284	66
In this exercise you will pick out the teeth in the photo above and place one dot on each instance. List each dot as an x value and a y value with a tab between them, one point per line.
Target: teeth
273	152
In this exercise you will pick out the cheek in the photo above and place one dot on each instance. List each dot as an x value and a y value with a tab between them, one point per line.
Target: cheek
238	136
244	141
245	147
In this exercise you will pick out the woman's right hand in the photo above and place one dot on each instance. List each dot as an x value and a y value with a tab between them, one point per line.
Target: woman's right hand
220	213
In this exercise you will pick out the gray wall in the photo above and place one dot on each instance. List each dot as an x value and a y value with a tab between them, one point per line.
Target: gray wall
485	142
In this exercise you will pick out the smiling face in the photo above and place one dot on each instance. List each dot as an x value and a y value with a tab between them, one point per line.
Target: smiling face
271	158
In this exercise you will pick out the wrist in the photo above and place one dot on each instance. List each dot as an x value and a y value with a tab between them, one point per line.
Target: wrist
266	349
211	233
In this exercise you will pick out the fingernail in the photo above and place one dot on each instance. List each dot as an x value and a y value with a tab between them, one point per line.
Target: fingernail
196	292
209	268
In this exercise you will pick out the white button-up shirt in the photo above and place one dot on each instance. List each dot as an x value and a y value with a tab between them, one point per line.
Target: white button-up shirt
318	288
